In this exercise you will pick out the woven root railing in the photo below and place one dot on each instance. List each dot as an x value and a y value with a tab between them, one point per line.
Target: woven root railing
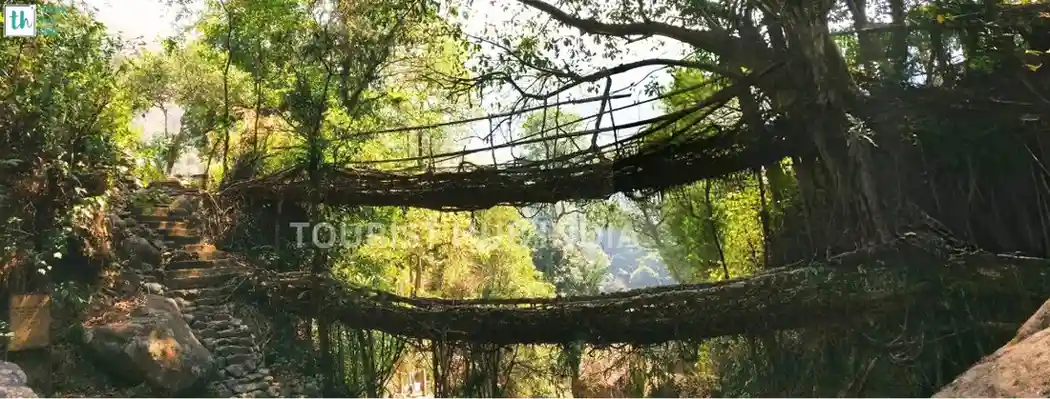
652	169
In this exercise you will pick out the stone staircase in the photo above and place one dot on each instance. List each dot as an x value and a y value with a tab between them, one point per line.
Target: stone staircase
200	279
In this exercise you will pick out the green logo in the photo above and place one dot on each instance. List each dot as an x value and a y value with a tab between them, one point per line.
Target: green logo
46	17
31	20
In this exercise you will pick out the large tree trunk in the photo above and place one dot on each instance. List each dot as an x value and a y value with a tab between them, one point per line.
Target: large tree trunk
823	91
174	150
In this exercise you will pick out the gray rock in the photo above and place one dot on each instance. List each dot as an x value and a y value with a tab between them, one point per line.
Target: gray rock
255	386
183	303
241	358
236	370
116	222
13	382
11	374
17	392
128	283
156	346
226	333
234	350
154	288
221	317
139	250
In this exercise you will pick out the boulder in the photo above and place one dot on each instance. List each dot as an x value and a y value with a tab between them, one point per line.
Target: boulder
13	382
140	251
128	283
1020	369
1039	321
155	346
154	288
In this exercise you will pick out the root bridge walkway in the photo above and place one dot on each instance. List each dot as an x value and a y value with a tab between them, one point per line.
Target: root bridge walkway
915	271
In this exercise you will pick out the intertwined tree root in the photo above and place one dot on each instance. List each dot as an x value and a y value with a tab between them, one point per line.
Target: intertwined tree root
862	284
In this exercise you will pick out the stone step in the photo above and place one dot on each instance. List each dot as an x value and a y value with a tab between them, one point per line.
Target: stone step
250	389
216	325
200	278
239	340
210	301
166	183
177	241
179	254
233	350
208	310
158	218
251	361
204	318
162	210
199	248
196	264
257	376
258	393
205	272
194	294
193	251
177	232
166	224
190	283
240	331
196	282
202	308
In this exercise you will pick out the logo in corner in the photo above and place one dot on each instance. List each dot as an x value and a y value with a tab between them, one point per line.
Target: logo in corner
19	20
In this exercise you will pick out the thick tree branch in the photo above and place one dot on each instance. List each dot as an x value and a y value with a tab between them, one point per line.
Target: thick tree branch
623	68
732	49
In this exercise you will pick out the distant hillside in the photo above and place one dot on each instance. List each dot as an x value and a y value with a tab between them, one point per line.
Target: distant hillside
631	265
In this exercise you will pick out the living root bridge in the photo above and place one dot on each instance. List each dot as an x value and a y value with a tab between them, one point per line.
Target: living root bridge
652	169
855	285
